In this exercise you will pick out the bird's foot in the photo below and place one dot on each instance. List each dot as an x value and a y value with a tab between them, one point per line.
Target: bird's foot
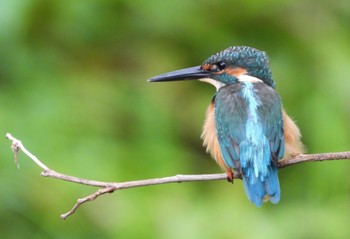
230	176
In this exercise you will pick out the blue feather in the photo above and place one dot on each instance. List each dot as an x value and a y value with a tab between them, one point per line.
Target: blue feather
249	124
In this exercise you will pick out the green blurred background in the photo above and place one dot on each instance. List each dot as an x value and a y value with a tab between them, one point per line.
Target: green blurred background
73	88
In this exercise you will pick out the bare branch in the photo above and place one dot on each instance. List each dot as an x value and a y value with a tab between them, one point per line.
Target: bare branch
109	187
302	158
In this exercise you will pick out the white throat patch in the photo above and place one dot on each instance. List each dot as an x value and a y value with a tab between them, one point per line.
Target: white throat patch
213	82
241	78
248	78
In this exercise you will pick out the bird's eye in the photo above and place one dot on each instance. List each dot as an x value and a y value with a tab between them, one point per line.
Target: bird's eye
218	66
221	65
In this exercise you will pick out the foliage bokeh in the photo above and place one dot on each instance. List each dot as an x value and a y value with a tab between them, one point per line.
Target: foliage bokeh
73	88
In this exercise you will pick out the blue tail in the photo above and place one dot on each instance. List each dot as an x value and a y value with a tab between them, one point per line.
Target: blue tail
261	189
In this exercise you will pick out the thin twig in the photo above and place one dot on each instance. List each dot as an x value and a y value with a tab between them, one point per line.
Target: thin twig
109	187
91	197
16	145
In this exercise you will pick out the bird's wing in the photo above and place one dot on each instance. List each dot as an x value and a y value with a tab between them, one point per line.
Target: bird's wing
230	118
272	121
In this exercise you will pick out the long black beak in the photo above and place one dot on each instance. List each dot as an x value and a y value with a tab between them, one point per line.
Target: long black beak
192	73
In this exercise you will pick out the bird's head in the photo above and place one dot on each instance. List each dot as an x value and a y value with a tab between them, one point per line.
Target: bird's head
232	65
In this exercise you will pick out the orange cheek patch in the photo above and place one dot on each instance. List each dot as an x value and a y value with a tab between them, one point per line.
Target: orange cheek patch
237	71
206	67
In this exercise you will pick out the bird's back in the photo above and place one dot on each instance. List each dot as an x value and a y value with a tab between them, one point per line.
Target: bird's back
249	125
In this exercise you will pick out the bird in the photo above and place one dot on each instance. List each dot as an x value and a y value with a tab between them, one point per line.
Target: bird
246	127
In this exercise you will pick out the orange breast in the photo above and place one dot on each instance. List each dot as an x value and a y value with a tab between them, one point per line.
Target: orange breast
210	139
292	138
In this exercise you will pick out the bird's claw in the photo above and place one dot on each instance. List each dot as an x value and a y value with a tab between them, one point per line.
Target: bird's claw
230	176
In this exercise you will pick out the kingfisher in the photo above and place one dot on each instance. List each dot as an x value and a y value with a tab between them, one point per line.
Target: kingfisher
246	128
